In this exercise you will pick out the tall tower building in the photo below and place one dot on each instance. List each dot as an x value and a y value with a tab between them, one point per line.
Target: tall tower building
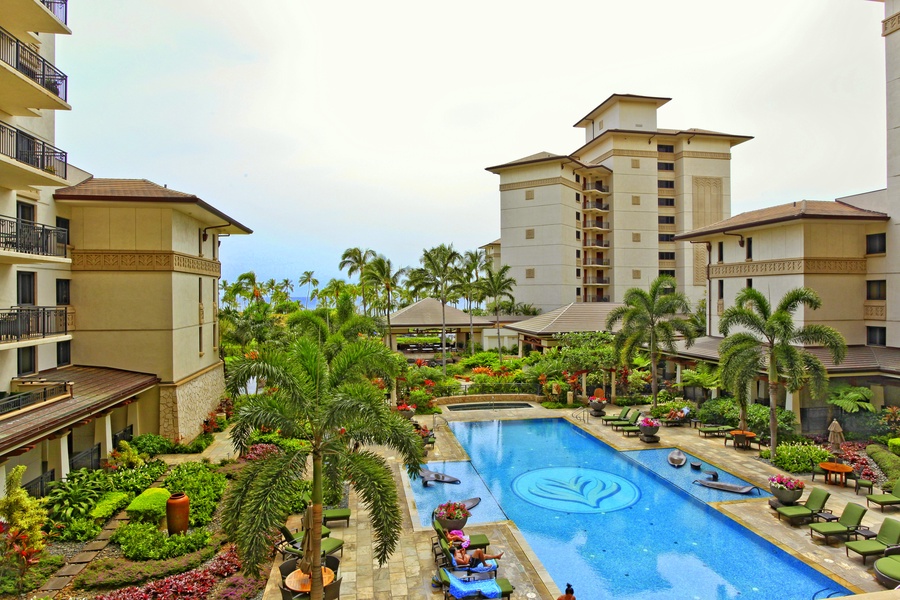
589	225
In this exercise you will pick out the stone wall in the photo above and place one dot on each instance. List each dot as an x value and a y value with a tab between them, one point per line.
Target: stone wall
184	407
489	398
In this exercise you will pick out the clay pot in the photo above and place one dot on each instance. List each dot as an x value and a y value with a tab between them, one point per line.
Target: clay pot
786	497
178	511
649	429
452	524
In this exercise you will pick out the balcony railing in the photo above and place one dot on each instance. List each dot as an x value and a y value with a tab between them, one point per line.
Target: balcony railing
595	224
595	187
27	323
122	436
37	487
29	63
596	262
18	401
18	235
596	280
596	298
596	243
59	8
588	205
88	459
32	151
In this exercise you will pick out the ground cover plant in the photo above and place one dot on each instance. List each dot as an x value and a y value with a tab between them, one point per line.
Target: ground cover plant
796	457
203	485
144	541
149	507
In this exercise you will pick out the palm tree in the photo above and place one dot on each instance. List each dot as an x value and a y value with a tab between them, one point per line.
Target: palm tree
765	343
473	263
440	263
649	318
310	282
380	274
355	261
333	406
248	287
416	281
497	284
332	291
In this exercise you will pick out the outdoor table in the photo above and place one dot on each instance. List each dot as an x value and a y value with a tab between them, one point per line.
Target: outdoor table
748	435
837	469
299	581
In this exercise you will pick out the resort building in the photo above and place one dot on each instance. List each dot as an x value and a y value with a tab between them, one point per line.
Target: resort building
112	285
588	225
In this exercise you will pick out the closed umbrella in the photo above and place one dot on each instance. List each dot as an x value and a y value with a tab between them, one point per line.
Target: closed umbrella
835	435
305	562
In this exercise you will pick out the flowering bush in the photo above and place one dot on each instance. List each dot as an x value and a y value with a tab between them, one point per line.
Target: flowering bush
452	511
648	422
405	406
783	482
261	451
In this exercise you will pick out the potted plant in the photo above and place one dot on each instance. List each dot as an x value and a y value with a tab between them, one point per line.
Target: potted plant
407	410
597	404
452	515
787	489
648	425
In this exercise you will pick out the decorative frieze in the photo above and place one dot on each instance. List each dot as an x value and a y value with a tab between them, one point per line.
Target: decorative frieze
890	25
700	256
115	260
874	310
712	155
797	266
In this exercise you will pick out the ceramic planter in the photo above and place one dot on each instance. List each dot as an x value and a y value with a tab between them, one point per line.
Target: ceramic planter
178	510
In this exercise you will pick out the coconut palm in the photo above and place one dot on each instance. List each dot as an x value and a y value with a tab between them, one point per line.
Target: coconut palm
248	287
355	261
380	275
440	264
497	284
310	282
333	406
469	274
769	342
650	320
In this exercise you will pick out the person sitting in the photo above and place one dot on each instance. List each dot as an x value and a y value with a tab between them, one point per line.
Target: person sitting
463	559
570	593
678	415
457	537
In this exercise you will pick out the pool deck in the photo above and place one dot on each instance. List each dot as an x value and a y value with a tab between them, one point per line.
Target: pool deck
408	574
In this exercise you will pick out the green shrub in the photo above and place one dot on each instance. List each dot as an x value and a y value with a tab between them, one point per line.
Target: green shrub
799	458
428	410
144	541
152	444
202	484
632	400
109	503
36	576
482	359
74	497
198	445
79	530
286	444
662	410
447	387
419	398
556	405
125	457
888	462
894	445
135	481
149	507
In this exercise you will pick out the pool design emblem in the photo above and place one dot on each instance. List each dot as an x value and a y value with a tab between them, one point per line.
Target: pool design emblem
576	490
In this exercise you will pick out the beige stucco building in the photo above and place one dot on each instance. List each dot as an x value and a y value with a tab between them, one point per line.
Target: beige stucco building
112	285
588	225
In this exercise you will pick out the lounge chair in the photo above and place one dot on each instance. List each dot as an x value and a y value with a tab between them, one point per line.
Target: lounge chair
449	561
887	569
629	422
846	525
715	430
330	545
861	482
336	514
454	587
815	503
619	417
477	540
295	538
882	500
888	535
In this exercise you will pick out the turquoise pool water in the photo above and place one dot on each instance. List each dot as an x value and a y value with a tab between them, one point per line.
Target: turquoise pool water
603	521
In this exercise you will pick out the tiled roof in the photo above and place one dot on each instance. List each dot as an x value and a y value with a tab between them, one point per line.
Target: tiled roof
804	209
95	389
427	313
578	316
538	157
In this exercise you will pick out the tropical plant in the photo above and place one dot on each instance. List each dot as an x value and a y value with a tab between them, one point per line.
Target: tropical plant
766	344
20	512
334	406
308	279
469	276
497	284
705	377
439	264
355	261
850	399
650	320
380	274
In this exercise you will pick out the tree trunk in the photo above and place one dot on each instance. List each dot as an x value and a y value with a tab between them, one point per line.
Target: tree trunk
471	331
317	589
773	394
443	338
499	351
654	384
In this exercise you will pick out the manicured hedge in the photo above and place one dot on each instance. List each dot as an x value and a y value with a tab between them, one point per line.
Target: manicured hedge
149	507
108	504
888	462
894	445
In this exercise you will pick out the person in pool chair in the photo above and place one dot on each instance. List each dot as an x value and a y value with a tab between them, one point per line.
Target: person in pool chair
570	593
472	560
678	415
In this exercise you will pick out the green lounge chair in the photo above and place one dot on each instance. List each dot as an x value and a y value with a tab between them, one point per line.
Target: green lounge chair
861	482
882	500
330	545
888	535
448	561
887	569
469	590
606	420
477	540
629	422
815	502
846	525
715	430
336	514
296	538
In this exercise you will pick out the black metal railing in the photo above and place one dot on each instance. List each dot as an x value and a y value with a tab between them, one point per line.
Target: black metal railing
122	436
596	280
596	205
596	262
19	235
89	459
18	401
596	298
30	150
37	487
25	323
596	187
29	63
59	8
596	223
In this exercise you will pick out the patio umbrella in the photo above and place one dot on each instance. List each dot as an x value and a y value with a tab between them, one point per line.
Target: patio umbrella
305	562
835	435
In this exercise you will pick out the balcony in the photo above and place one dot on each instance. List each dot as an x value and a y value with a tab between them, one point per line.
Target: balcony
595	243
19	401
27	80
596	281
595	224
27	161
595	205
32	322
594	188
596	298
26	242
42	16
596	262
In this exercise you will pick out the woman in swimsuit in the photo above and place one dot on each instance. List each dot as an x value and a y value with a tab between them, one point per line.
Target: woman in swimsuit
473	560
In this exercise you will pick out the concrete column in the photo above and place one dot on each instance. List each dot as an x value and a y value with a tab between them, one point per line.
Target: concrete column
520	343
2	480
133	417
570	397
58	456
789	402
103	435
714	393
677	372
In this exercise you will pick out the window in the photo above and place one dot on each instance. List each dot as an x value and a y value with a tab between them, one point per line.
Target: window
669	185
721	247
25	288
25	211
578	292
26	361
749	284
63	353
577	197
721	295
876	336
665	148
577	272
666	220
200	290
577	178
876	290
669	272
200	339
577	235
665	166
748	246
62	291
666	202
577	217
667	237
666	256
578	253
876	243
62	223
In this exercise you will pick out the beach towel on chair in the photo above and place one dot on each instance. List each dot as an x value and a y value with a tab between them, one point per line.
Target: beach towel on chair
461	589
485	567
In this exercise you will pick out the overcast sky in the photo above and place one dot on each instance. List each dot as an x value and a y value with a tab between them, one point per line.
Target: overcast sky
326	125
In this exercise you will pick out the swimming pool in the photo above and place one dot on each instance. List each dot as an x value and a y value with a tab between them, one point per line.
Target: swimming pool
600	520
